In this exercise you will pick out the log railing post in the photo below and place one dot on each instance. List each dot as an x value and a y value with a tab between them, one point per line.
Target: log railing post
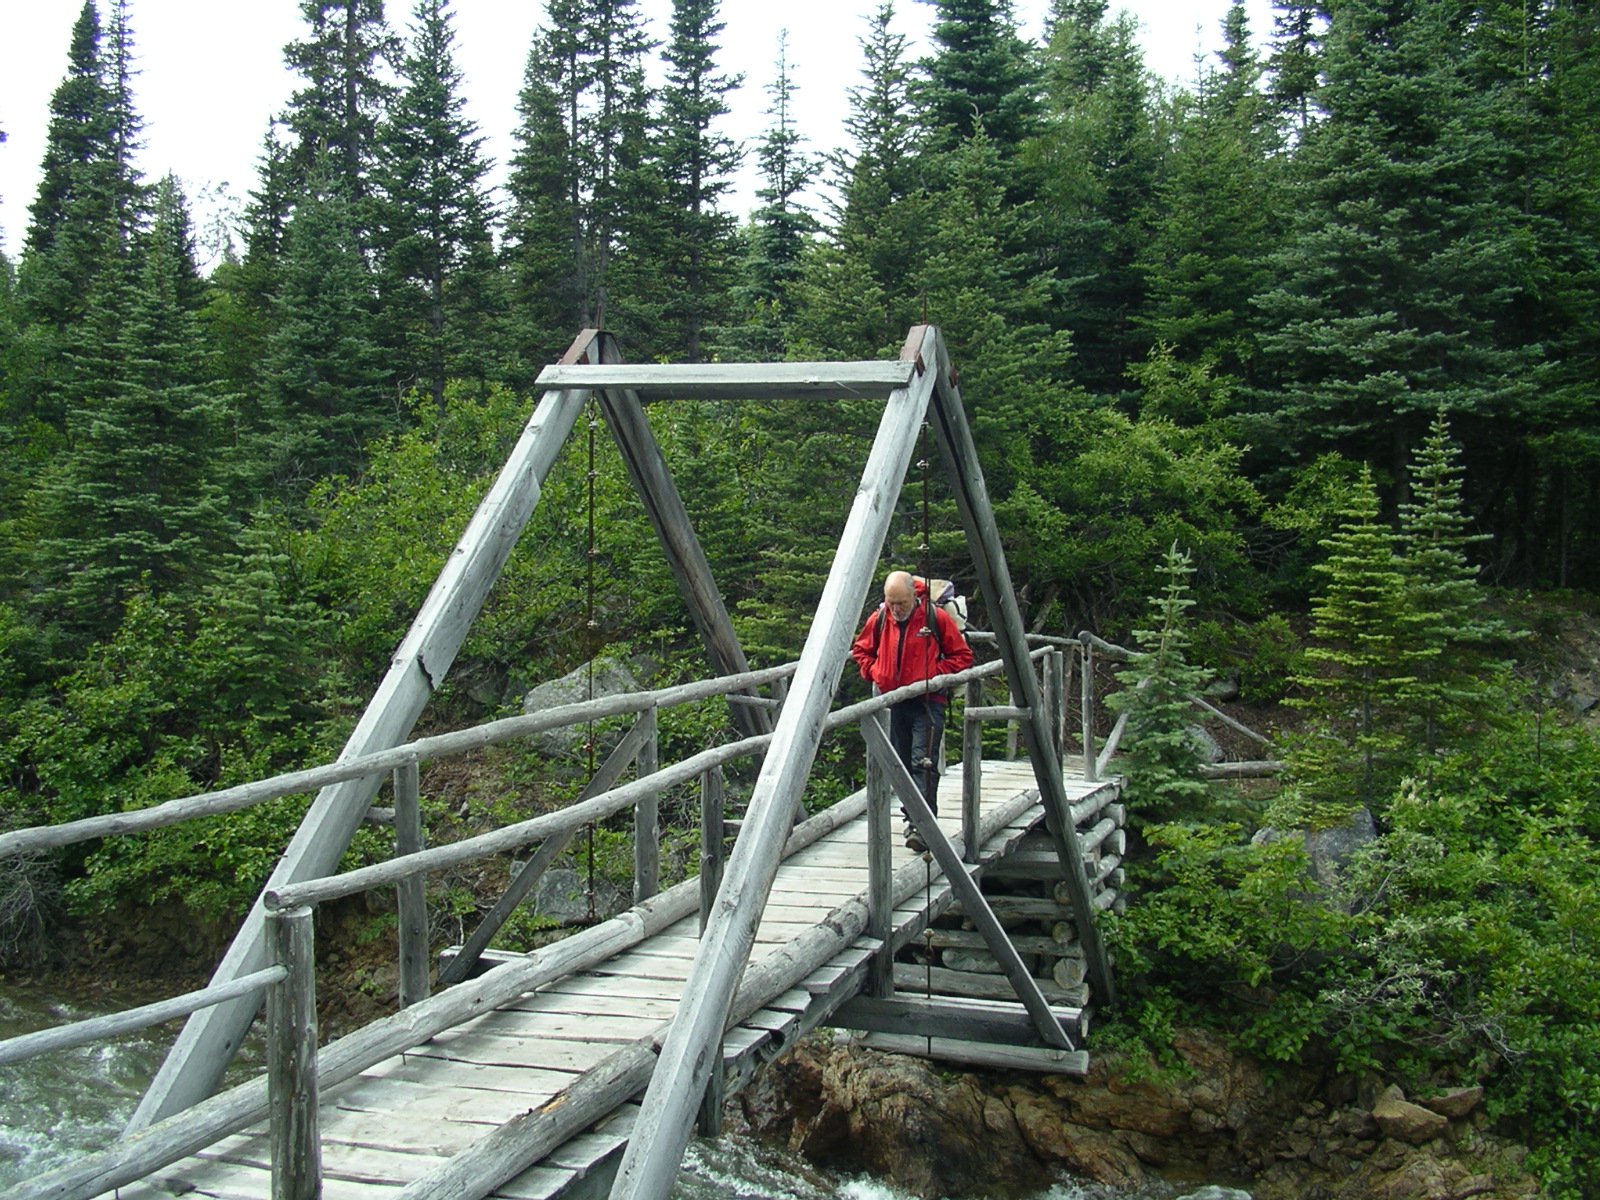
294	1131
971	770
1055	697
410	898
1086	684
647	817
880	876
711	839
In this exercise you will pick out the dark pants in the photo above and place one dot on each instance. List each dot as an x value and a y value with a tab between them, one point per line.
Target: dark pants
915	727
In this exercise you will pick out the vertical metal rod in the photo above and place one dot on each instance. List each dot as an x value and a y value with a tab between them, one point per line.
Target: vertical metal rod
647	818
711	838
880	875
294	1131
1086	684
410	899
971	772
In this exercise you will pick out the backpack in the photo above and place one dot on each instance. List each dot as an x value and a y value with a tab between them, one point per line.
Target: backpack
944	595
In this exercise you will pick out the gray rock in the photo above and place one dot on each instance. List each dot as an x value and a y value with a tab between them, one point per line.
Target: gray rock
1210	752
1329	849
612	677
1404	1121
1212	1192
564	895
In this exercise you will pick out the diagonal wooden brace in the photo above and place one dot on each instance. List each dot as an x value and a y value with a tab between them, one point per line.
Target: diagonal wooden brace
965	887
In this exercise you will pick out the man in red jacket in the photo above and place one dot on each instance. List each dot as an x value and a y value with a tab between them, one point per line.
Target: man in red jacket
907	640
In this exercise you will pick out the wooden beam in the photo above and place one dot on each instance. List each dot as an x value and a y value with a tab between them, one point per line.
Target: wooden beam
667	1111
292	1091
194	1066
994	579
944	1016
963	884
664	506
978	1054
411	904
736	381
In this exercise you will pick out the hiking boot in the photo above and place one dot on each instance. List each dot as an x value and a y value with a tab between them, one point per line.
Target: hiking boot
913	840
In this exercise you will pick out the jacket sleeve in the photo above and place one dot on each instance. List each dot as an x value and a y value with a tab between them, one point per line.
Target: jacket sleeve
863	650
956	654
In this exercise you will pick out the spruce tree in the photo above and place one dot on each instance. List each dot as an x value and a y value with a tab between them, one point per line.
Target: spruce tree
134	504
327	380
1297	32
1163	756
1399	284
779	229
1366	663
857	296
1098	162
433	216
691	241
333	119
1459	675
980	76
1216	213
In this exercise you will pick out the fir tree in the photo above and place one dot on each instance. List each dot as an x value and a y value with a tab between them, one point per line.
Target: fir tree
134	503
334	117
1297	33
1163	756
1364	651
1098	161
1459	676
326	376
779	229
433	215
981	76
691	243
857	297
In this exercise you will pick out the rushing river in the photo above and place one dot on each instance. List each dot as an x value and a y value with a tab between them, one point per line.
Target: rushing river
57	1106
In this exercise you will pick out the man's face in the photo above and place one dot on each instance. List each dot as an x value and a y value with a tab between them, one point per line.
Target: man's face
899	601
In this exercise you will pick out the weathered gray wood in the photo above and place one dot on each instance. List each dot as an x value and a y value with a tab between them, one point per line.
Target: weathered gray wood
1067	972
994	580
685	557
1086	706
736	381
1113	740
689	1051
1110	649
711	839
1055	697
971	774
411	904
1255	769
96	1029
971	939
292	1091
195	1064
964	885
912	977
1044	1061
1216	712
463	962
880	875
381	762
647	818
519	1143
941	1016
998	712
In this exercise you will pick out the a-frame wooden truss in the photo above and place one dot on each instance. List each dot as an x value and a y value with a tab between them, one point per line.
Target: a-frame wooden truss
919	386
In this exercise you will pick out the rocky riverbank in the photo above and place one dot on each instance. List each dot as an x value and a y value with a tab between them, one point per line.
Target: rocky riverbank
1290	1134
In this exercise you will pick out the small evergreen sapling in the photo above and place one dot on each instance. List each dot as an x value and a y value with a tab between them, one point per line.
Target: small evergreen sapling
1164	756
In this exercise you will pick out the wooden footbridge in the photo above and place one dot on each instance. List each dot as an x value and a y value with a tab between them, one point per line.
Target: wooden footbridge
582	1068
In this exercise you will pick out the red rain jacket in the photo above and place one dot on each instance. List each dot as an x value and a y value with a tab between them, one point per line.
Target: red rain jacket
907	652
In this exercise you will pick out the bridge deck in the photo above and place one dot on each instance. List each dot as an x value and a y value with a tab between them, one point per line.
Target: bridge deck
399	1119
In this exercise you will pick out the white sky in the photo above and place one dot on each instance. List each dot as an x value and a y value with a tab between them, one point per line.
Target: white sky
212	73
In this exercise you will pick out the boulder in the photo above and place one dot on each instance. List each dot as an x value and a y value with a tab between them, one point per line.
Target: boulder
1455	1103
612	677
563	895
1213	1192
1398	1118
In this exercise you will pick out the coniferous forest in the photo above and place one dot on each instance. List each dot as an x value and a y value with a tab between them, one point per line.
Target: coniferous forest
1291	377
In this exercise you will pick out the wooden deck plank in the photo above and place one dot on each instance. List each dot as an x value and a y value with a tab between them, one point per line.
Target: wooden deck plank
420	1068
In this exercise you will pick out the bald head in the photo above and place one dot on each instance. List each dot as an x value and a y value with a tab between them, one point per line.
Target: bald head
898	594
